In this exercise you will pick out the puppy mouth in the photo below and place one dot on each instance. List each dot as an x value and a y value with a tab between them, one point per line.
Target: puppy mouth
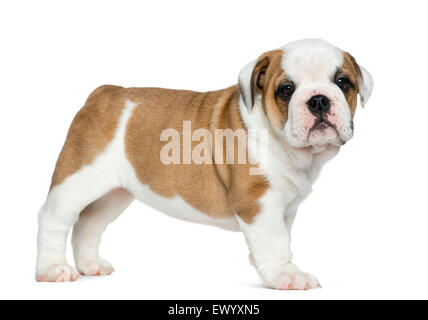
322	124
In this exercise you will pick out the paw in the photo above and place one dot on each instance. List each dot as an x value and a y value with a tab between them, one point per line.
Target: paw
57	273
95	268
296	280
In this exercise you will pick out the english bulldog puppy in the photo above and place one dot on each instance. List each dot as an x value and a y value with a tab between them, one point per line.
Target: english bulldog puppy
175	151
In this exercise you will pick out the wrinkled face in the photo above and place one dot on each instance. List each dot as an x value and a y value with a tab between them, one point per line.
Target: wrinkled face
308	92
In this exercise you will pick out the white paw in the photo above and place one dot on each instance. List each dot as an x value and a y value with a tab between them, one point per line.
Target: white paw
57	273
296	280
95	268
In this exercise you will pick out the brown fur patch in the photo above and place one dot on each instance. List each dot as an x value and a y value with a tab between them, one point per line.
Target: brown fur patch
275	108
90	132
351	69
219	190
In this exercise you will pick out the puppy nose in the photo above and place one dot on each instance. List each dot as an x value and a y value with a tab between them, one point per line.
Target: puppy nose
319	104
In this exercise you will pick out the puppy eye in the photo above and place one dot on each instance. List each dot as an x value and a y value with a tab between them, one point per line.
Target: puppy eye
344	83
286	91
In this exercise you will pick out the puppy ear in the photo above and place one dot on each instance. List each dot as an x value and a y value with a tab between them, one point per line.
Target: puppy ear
365	81
366	84
251	79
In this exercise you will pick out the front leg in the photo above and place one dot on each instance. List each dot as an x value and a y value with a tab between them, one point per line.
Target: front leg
268	239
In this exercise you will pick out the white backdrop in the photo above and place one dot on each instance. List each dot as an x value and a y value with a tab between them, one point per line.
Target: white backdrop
363	231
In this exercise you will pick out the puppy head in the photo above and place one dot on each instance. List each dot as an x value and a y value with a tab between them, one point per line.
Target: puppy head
307	91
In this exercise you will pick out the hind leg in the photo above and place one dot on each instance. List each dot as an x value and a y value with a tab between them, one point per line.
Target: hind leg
89	228
60	212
